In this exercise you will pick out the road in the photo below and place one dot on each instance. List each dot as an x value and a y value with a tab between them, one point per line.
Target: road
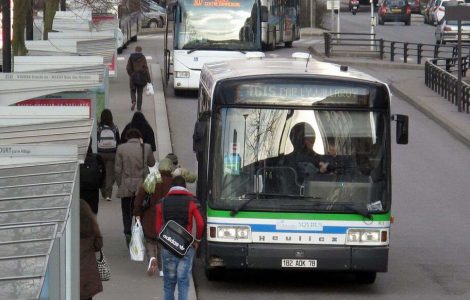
429	240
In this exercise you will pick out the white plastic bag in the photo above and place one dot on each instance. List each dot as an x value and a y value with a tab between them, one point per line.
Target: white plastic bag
136	246
149	89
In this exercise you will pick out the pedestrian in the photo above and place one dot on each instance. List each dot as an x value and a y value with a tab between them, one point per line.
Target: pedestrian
131	167
147	216
91	241
182	207
139	122
92	175
139	76
108	140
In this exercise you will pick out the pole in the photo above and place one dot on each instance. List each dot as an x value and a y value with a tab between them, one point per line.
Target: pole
6	36
332	15
63	5
459	82
244	140
372	24
29	23
338	24
311	14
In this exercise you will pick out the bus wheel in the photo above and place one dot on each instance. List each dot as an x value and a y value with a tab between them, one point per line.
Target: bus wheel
288	44
119	50
214	274
366	277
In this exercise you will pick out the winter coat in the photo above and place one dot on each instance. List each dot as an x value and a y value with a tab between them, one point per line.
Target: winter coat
131	166
148	216
91	241
137	63
147	134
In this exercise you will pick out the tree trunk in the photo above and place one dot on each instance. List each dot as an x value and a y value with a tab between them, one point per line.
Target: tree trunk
50	7
21	8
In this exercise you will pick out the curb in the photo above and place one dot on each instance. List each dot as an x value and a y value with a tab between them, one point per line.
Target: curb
444	122
164	145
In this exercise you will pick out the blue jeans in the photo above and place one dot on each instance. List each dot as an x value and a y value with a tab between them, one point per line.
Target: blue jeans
176	271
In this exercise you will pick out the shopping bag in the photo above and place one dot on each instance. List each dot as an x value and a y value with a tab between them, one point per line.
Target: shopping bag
136	246
149	89
103	267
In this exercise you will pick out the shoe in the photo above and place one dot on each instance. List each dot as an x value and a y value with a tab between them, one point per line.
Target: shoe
132	106
108	199
128	240
152	267
161	274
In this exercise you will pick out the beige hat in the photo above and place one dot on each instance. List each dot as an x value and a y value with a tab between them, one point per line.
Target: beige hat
189	176
165	165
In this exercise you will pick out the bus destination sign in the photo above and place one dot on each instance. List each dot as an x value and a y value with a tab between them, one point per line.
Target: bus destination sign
306	94
216	3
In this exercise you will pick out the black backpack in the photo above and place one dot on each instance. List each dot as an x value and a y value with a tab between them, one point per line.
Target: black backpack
92	172
138	78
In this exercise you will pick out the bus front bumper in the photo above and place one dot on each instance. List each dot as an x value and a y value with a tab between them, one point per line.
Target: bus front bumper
270	256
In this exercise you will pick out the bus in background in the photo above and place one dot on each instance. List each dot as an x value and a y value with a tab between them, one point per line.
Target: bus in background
294	166
126	13
208	31
283	24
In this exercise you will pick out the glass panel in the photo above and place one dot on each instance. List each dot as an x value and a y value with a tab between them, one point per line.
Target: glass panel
20	289
35	203
34	266
28	248
43	216
40	178
37	169
19	233
221	25
36	190
300	160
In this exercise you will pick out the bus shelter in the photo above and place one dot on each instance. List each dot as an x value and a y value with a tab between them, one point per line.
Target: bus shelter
39	222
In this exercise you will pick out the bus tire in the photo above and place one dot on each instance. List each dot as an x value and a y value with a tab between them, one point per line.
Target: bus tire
119	50
288	44
366	277
214	274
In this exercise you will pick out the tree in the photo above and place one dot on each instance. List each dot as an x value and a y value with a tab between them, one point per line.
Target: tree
20	11
50	8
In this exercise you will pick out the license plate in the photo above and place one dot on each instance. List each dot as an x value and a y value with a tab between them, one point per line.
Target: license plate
299	263
396	10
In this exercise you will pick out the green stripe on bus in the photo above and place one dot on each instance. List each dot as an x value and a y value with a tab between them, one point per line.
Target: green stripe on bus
295	216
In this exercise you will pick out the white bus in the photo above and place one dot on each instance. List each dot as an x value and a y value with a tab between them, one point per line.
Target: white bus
283	24
209	31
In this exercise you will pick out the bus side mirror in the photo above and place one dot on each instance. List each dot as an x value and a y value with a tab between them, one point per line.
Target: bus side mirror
198	136
402	128
264	14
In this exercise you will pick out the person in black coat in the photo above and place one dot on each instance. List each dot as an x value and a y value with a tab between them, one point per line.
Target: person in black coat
139	122
92	175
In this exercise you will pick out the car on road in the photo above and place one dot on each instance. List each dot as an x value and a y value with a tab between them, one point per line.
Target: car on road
415	6
440	9
394	11
153	15
447	31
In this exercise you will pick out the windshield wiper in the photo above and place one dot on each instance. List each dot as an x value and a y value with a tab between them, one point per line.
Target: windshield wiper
257	196
364	213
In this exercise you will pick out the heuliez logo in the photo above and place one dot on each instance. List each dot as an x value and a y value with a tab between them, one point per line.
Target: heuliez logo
174	242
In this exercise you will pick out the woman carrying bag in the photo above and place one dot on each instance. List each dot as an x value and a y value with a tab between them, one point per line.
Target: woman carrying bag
133	159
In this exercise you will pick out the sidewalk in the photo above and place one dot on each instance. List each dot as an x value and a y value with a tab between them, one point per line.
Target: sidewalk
129	279
406	81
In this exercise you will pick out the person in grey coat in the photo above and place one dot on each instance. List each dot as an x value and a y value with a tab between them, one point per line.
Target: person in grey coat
131	167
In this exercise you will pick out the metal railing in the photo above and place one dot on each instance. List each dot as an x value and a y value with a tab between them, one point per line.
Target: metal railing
444	83
366	44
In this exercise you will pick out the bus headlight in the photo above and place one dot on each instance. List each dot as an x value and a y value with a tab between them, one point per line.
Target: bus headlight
182	74
233	232
364	236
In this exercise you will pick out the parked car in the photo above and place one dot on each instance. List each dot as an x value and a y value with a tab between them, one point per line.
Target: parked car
427	13
415	6
447	31
153	15
440	9
394	11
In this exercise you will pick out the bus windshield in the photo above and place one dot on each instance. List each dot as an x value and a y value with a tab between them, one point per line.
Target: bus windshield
218	25
300	160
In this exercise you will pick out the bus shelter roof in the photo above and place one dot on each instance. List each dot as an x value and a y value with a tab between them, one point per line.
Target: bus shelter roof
24	256
74	132
36	193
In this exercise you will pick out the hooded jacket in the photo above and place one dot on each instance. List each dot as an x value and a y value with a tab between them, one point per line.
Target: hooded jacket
137	62
176	211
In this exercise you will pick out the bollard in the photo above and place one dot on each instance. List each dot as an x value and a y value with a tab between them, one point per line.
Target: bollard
392	51
405	52
382	49
420	53
327	37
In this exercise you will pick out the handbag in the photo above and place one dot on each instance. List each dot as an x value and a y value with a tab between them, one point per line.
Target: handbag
175	238
103	267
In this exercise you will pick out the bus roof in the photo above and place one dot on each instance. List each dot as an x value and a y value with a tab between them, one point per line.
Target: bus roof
214	72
